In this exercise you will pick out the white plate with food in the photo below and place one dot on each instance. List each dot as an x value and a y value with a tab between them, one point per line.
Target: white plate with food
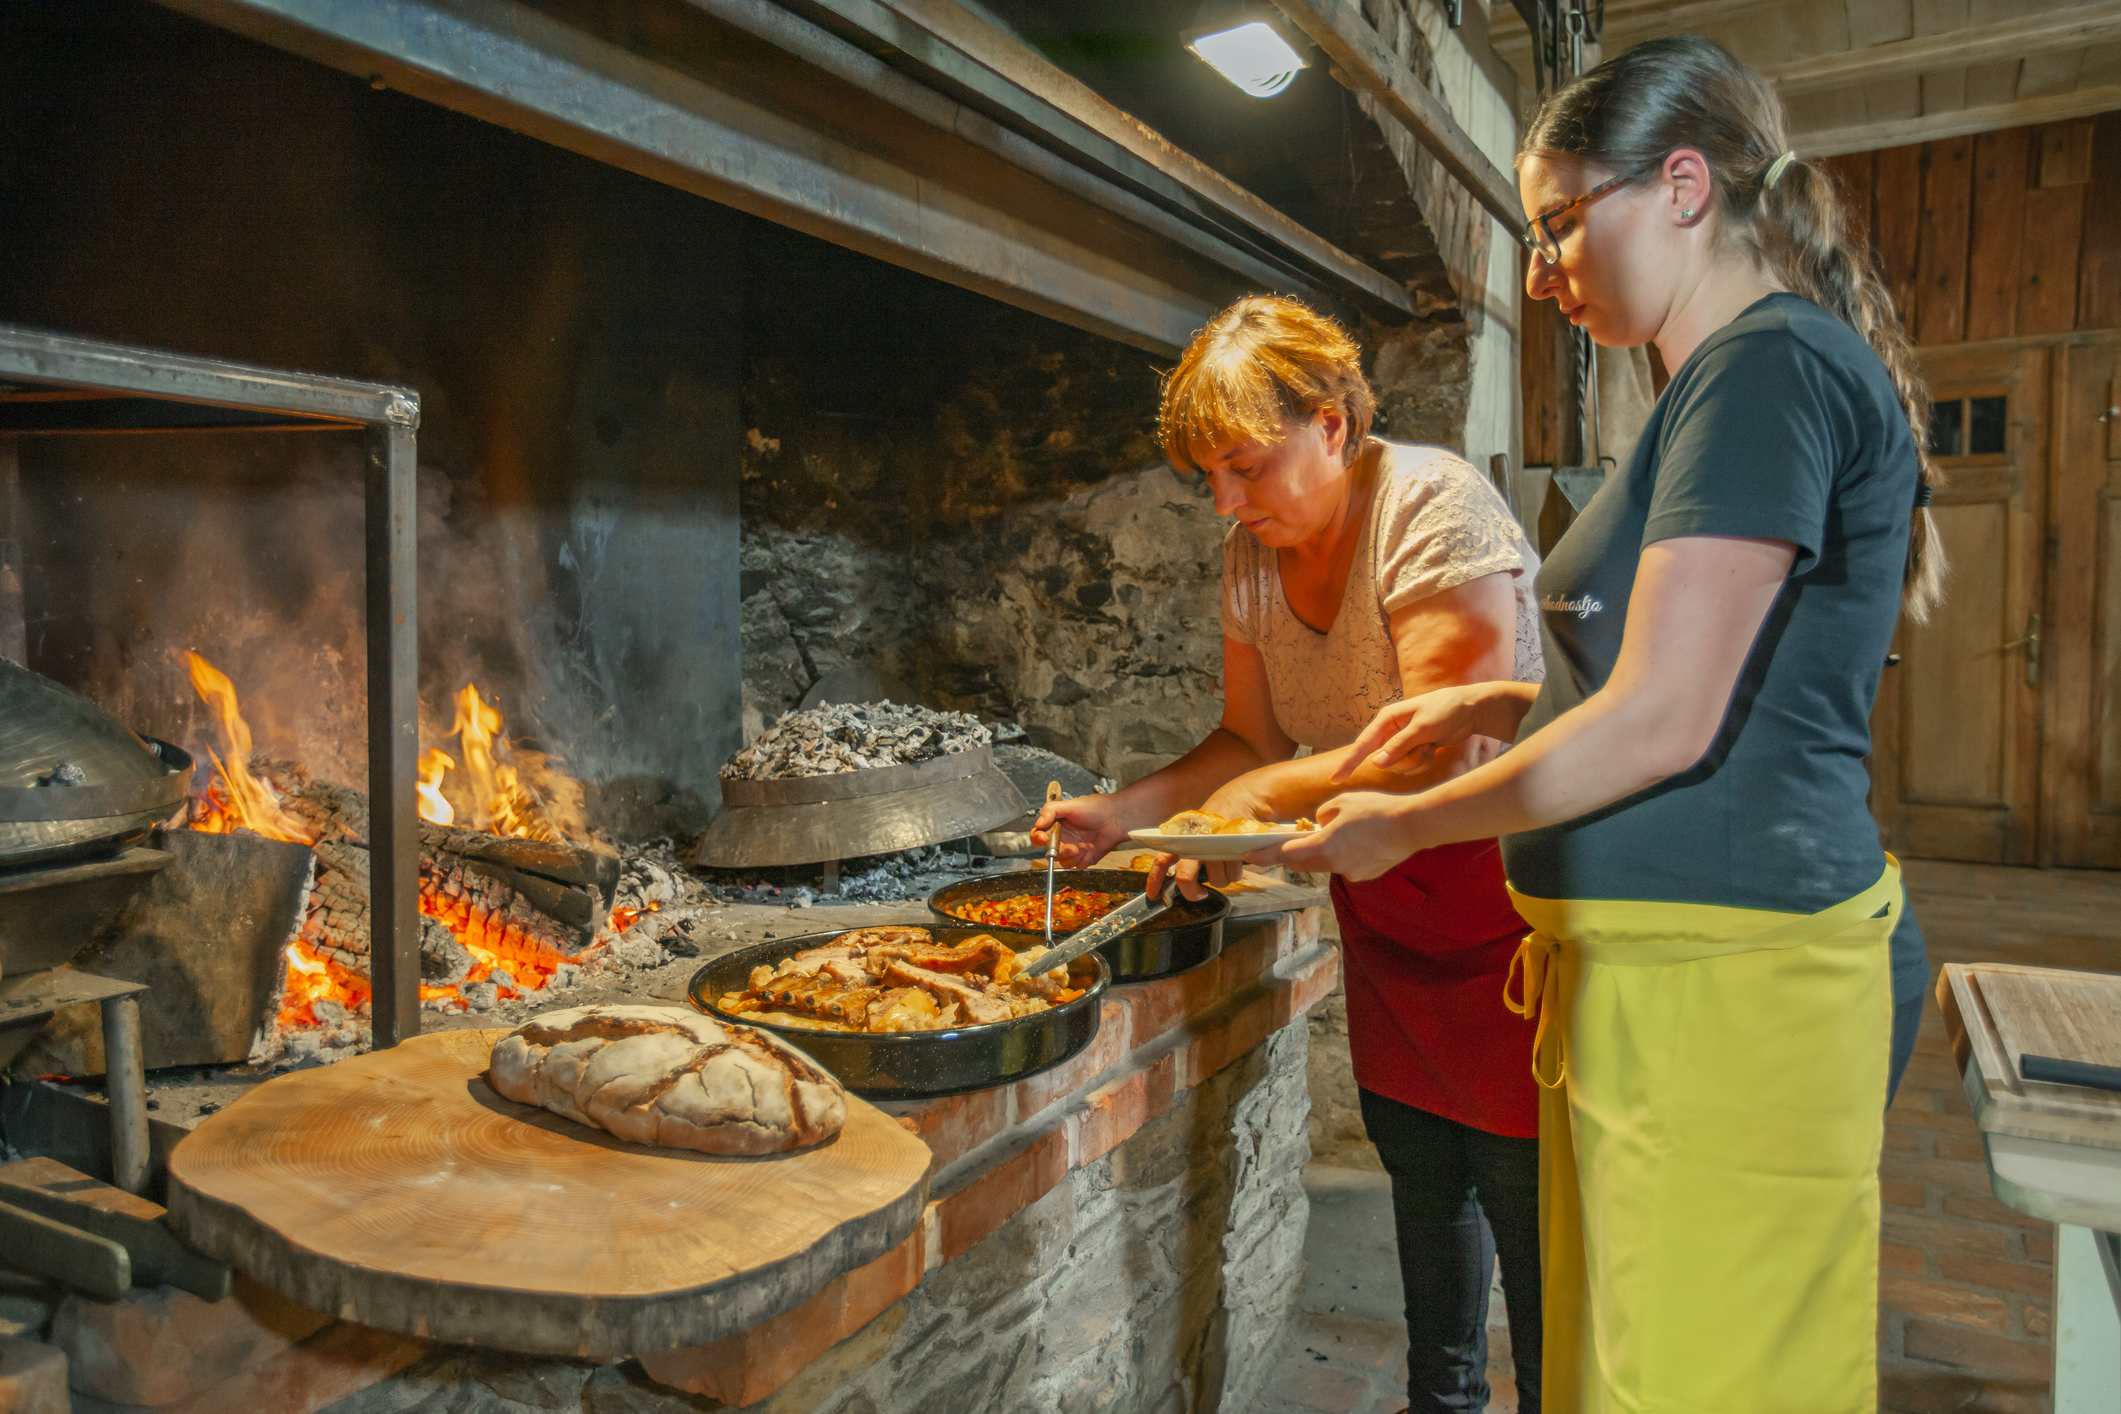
1202	834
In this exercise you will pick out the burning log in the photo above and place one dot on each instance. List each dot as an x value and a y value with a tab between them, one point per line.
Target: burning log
336	928
487	902
505	906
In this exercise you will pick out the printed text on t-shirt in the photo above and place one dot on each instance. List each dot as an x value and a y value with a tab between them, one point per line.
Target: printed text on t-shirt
1582	606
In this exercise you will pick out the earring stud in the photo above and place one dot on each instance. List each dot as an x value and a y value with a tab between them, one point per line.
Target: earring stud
1687	215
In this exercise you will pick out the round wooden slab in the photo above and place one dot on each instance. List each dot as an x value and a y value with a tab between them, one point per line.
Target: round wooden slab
399	1190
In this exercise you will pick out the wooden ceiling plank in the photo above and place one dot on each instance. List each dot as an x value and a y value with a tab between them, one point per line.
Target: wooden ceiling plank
2064	32
2050	72
1944	92
1880	22
1990	84
1894	132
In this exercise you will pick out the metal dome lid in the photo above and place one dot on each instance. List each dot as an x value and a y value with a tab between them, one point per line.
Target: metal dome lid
71	774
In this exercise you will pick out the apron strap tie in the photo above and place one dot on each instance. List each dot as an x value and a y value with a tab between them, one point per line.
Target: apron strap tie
1536	971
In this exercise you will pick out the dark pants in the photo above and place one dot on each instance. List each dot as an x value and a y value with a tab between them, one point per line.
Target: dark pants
1461	1197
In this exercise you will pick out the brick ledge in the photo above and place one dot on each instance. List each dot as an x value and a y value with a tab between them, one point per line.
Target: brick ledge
984	1184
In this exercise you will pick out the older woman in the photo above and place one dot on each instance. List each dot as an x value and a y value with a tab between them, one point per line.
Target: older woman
1362	571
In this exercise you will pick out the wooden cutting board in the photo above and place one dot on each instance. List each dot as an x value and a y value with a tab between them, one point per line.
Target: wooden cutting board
1995	1012
399	1190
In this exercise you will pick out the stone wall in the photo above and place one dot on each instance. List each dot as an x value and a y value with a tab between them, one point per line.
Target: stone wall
984	521
967	503
1156	1279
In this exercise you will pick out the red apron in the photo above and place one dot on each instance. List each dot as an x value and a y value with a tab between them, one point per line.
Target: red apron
1426	948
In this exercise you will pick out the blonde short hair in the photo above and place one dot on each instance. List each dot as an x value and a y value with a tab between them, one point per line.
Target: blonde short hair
1255	370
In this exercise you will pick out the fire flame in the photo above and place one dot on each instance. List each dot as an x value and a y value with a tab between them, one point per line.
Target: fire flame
434	806
243	802
501	800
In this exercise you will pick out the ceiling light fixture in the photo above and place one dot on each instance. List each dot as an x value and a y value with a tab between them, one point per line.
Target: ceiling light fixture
1245	46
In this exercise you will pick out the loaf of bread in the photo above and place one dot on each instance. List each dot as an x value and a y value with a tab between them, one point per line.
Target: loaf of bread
663	1075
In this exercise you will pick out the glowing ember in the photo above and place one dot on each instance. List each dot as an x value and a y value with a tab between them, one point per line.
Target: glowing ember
624	918
311	979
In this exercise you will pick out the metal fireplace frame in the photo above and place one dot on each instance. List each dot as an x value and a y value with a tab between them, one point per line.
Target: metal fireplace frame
59	384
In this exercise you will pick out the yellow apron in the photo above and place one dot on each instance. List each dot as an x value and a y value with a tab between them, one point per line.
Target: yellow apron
1711	1109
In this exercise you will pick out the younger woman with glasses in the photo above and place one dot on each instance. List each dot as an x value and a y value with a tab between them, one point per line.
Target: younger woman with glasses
1683	811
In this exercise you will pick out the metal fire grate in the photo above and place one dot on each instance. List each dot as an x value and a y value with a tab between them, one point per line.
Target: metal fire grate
57	384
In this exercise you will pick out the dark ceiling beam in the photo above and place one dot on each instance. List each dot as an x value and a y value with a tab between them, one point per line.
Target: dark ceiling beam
848	150
999	72
1338	27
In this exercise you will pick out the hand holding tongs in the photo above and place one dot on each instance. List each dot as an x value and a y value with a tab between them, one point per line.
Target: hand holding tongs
1053	793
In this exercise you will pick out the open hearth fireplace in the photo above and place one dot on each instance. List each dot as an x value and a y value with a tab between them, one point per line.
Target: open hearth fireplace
513	896
269	866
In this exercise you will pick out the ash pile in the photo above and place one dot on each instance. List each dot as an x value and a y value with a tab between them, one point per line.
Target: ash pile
830	738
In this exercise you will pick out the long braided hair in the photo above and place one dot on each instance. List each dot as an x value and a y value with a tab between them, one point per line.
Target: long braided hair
1632	110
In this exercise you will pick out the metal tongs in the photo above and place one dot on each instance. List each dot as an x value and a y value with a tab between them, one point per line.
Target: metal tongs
1119	921
1053	794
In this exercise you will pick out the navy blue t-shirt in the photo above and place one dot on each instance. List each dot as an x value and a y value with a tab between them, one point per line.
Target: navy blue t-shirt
1783	425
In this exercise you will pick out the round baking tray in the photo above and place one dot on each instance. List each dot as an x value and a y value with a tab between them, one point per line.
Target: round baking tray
912	1065
851	814
1176	941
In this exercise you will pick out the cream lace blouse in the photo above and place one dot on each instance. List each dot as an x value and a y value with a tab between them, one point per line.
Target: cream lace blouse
1433	523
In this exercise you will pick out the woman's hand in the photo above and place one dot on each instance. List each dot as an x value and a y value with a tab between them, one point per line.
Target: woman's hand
1091	826
1360	835
1405	736
1191	874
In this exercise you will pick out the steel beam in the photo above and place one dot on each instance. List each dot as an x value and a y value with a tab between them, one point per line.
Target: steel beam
718	113
391	500
1027	133
392	417
966	54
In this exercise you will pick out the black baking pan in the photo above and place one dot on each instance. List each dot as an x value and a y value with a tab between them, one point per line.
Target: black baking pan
1186	936
913	1065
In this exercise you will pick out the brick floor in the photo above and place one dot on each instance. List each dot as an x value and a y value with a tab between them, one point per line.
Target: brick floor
1966	1285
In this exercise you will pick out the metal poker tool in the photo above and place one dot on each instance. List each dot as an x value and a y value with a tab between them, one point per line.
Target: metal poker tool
1053	793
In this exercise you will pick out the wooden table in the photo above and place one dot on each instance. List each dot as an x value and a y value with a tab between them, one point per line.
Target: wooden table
2054	1151
398	1190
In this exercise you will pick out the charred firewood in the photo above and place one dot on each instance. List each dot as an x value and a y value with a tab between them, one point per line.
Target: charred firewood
495	912
337	930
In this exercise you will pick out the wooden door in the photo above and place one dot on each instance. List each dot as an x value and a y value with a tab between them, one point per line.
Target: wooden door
1955	762
2082	770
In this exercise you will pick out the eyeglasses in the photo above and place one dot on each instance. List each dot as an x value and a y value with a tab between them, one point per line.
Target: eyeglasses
1538	237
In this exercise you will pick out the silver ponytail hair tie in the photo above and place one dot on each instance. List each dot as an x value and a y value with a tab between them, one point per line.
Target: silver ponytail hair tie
1774	173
